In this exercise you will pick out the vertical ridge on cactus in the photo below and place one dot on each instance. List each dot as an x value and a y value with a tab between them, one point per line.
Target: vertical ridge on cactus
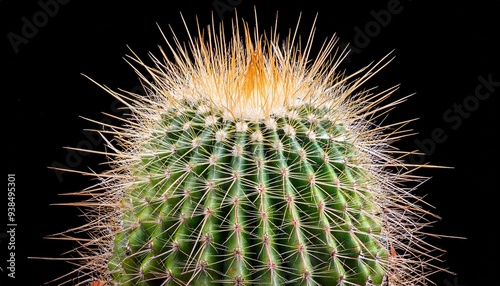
249	163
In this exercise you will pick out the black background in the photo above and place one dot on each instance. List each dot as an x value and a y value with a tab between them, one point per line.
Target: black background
440	51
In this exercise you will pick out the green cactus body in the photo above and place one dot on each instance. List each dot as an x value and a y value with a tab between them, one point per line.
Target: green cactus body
221	201
248	164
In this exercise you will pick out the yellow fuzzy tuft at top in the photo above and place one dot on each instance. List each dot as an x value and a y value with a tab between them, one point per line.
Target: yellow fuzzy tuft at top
253	76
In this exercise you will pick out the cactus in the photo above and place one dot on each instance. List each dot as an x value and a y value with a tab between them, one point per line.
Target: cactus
247	163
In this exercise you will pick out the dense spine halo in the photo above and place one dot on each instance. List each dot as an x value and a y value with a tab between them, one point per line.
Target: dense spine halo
250	161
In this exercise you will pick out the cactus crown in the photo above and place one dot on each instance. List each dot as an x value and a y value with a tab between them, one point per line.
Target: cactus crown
249	163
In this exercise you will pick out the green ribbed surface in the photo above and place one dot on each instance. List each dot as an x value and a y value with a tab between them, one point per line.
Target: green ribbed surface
276	202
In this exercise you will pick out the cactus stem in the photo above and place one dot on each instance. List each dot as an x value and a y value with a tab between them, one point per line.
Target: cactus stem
248	163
